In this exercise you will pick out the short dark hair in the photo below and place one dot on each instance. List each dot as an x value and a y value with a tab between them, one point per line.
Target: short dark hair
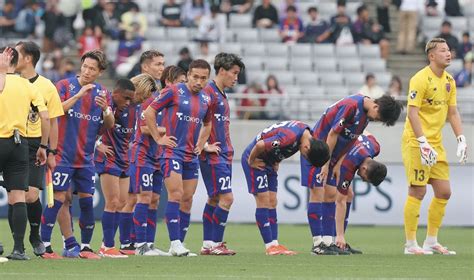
201	64
341	3
227	61
174	73
14	61
165	74
312	9
123	85
360	9
149	55
376	172
369	76
32	49
465	33
291	8
446	23
318	153
98	56
389	109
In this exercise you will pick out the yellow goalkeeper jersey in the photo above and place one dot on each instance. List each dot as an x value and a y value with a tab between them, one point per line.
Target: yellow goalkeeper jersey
433	95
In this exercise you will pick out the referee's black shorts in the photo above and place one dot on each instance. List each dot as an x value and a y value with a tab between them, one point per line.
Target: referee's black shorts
35	173
14	163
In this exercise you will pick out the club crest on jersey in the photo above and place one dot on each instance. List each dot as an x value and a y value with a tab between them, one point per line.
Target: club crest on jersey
206	98
345	185
276	144
341	122
142	116
413	94
448	87
71	87
180	91
33	116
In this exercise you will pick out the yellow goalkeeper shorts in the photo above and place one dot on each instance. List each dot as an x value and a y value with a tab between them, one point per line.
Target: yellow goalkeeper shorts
418	174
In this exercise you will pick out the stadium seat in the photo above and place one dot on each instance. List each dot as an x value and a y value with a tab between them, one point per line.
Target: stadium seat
301	50
346	51
270	35
179	34
314	91
323	50
111	50
471	23
383	79
229	36
253	63
374	65
431	23
306	79
350	65
284	77
301	64
277	50
455	67
327	8
292	90
337	91
247	35
254	49
166	47
325	64
351	8
459	24
276	64
231	48
156	33
331	78
369	51
240	20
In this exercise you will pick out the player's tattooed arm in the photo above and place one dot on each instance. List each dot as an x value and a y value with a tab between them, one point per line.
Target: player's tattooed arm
253	159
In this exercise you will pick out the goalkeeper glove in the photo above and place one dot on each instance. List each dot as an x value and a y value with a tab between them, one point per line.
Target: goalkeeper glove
428	154
462	149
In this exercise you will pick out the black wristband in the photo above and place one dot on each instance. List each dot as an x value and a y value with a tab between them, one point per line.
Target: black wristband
52	151
44	146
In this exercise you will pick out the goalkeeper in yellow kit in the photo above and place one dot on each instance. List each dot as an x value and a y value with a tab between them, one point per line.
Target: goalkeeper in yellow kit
431	100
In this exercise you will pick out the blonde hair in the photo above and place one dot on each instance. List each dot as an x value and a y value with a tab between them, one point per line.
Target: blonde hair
433	43
144	86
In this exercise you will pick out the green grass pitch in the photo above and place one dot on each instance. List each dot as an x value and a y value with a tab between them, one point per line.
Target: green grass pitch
382	258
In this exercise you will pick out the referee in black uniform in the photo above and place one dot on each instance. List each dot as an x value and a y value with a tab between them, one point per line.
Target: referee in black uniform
17	95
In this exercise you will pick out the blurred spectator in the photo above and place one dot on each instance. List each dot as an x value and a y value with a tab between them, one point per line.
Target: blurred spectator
383	15
54	25
170	14
132	18
7	20
291	27
253	88
284	4
273	106
409	11
395	87
88	41
236	6
453	9
184	59
272	85
25	23
315	31
67	69
49	69
265	15
370	88
340	31
465	46
464	77
69	9
193	11
212	28
130	43
123	6
433	8
451	40
366	31
106	18
204	53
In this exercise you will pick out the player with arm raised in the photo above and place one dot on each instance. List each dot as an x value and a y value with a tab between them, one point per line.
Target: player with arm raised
260	162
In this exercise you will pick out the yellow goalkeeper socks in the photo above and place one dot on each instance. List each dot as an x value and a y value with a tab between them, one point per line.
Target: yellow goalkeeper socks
411	215
435	215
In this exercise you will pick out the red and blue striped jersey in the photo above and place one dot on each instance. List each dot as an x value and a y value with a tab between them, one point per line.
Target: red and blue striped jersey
346	117
80	126
282	140
220	126
363	147
144	148
183	115
119	137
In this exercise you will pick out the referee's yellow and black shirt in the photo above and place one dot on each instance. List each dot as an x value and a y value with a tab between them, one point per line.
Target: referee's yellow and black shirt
51	98
16	99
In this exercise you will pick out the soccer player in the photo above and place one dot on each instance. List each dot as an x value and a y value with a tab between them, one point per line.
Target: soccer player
28	56
431	100
339	126
260	162
358	159
185	109
86	104
111	157
152	62
16	97
216	168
